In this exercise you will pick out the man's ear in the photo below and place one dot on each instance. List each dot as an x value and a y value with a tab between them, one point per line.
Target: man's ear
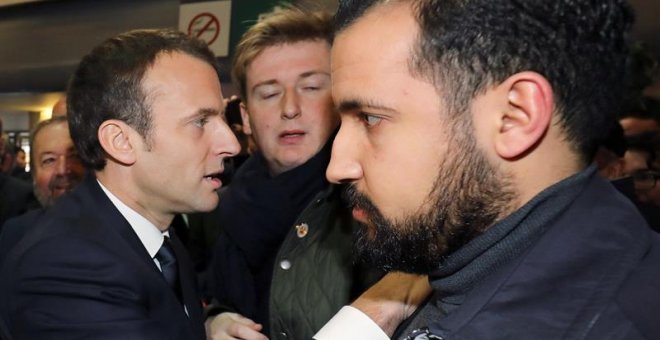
245	117
528	114
115	138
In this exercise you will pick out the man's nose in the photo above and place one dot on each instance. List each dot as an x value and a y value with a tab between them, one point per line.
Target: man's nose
63	165
344	163
290	105
225	143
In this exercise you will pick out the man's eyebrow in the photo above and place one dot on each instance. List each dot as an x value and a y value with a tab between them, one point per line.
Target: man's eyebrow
265	82
202	113
313	73
209	111
301	76
357	104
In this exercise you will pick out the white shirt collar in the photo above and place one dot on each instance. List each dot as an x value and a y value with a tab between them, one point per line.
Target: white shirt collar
150	236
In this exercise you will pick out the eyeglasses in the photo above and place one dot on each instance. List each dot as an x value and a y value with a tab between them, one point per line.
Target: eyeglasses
645	179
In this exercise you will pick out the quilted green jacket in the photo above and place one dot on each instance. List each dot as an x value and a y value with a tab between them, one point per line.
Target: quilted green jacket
314	275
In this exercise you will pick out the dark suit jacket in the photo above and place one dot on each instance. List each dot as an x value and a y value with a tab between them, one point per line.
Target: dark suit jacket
82	272
15	228
16	197
651	213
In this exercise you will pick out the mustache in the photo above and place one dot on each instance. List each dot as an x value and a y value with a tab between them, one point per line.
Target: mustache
61	181
355	199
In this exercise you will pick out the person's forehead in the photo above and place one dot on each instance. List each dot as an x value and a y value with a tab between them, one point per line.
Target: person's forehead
373	54
300	58
384	35
180	82
383	23
53	137
174	65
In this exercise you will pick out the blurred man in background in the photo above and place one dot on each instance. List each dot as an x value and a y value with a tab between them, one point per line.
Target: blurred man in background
54	161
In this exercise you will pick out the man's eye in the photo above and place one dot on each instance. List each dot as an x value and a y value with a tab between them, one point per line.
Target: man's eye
200	122
47	162
370	120
269	95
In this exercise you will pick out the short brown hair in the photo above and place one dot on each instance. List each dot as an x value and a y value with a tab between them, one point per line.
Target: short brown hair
108	85
283	25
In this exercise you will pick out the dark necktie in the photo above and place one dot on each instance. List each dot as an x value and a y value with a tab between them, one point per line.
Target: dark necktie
168	266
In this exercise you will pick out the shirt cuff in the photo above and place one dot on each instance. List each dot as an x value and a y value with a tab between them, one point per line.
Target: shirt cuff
351	324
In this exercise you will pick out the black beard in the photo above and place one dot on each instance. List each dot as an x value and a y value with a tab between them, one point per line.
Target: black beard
468	196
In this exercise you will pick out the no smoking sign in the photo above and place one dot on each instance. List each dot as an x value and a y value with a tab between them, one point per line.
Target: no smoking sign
208	21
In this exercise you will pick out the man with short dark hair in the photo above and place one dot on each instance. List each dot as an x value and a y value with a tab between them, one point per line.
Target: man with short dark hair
467	132
20	164
145	113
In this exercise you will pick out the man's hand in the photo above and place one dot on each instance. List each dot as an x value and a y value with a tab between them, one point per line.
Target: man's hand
393	299
226	326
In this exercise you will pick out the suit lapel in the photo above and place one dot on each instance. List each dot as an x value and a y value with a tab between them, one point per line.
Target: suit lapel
103	211
116	221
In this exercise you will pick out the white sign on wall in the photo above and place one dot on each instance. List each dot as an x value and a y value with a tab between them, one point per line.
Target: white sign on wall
208	21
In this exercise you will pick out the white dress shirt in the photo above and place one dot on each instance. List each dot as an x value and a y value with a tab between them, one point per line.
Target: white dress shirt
150	236
351	324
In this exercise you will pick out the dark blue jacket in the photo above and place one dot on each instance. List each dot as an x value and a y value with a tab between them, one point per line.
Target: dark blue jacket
16	197
15	228
81	272
593	273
